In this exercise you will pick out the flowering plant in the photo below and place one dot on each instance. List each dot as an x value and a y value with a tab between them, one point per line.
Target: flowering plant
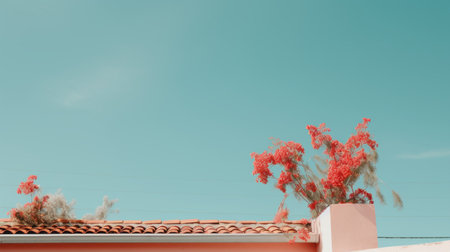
32	213
28	186
338	171
49	209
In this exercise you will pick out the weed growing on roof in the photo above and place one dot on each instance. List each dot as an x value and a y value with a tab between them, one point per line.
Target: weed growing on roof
49	209
39	210
337	171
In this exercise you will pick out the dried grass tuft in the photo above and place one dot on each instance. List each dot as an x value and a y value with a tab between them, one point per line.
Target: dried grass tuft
397	200
57	207
380	196
102	211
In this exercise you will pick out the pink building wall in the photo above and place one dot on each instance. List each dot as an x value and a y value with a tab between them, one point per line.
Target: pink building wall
164	247
347	227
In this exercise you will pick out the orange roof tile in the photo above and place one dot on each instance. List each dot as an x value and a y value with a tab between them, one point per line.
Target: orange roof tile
152	222
191	221
209	222
191	226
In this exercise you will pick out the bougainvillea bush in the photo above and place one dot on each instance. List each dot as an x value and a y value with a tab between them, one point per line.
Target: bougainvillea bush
338	169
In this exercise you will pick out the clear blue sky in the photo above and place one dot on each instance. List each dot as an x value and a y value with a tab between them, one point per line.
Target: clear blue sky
160	103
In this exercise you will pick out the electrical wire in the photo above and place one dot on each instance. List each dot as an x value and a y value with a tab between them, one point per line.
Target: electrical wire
413	237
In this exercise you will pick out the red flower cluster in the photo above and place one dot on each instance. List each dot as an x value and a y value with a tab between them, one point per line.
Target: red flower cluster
318	138
313	205
28	186
261	166
311	186
32	213
284	179
33	207
303	234
360	196
341	160
288	154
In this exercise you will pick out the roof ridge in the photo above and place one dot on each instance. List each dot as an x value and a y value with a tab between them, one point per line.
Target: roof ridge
170	222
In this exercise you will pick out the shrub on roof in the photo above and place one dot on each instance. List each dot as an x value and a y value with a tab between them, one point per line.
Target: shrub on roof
45	209
338	170
49	209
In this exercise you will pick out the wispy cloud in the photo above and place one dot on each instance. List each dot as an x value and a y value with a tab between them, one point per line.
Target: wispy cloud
74	97
427	154
98	84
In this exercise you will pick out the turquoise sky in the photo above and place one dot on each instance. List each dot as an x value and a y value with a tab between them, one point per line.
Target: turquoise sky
160	103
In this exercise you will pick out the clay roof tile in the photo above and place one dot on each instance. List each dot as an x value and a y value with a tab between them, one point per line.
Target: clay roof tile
171	222
209	222
190	221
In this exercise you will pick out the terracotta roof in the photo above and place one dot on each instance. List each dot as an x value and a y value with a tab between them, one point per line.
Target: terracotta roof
192	226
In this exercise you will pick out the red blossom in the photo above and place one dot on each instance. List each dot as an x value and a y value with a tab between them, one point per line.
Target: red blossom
343	158
292	241
317	136
288	154
303	234
284	179
312	206
311	186
281	215
261	166
12	212
28	186
360	196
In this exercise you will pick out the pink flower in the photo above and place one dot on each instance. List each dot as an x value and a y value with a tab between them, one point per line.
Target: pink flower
282	212
12	212
281	215
311	186
360	196
28	186
292	241
284	179
261	166
317	136
312	206
303	234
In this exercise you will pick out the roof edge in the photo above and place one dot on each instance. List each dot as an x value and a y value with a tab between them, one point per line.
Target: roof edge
154	238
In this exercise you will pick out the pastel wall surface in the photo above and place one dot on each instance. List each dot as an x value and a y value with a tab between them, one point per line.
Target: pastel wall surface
428	247
164	247
347	227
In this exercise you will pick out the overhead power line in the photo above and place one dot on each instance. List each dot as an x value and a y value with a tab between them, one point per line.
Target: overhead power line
414	237
122	176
